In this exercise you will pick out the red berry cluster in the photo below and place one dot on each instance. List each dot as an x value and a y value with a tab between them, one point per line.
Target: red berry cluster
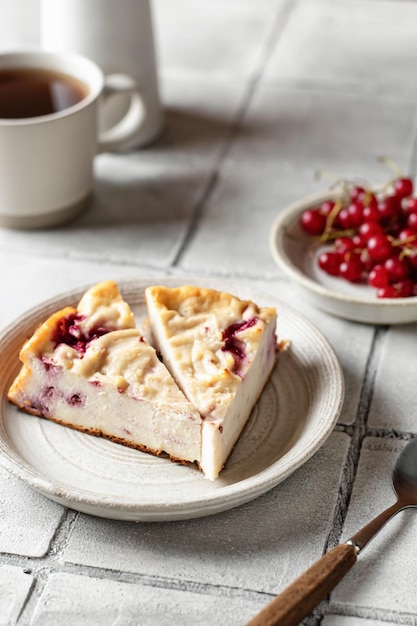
370	237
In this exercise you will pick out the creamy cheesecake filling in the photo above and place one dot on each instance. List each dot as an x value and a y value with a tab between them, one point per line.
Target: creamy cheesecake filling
221	351
143	424
220	434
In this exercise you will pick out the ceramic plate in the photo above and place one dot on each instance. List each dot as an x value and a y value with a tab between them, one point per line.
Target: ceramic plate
298	258
293	418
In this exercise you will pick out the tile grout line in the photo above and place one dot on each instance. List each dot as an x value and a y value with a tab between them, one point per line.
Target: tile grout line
43	573
384	616
343	89
149	267
357	432
41	568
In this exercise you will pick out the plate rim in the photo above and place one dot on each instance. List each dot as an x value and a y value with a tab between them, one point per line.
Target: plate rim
276	237
232	495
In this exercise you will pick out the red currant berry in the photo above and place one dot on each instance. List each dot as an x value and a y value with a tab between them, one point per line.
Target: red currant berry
410	205
387	292
408	237
397	225
313	222
397	269
344	244
358	241
405	288
379	247
330	262
371	213
327	207
356	192
355	212
378	276
388	207
367	262
343	219
351	269
369	229
403	187
412	221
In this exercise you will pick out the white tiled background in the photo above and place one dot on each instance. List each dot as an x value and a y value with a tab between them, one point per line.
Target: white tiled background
258	96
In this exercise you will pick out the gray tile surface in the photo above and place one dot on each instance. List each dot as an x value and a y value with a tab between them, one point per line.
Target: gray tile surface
354	45
14	588
28	521
193	40
258	97
307	130
199	116
394	383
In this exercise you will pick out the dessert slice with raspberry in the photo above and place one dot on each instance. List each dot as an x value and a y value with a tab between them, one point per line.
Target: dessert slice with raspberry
221	351
89	368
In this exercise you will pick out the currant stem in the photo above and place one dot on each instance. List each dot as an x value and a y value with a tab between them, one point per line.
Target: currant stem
391	165
331	217
323	172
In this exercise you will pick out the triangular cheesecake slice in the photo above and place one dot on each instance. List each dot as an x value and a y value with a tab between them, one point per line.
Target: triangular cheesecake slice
221	351
89	368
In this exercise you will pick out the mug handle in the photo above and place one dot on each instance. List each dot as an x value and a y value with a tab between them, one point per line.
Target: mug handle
118	136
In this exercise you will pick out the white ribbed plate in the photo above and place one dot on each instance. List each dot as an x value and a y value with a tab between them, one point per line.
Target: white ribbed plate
293	418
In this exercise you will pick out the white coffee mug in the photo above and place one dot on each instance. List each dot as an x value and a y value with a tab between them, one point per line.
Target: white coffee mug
46	162
118	35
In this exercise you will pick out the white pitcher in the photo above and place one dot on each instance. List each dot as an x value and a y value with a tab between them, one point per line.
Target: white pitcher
118	35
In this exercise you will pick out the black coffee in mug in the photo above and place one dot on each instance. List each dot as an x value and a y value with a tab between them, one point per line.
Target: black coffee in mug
31	92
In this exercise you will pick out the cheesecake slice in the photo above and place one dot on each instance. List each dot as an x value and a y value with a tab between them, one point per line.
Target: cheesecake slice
91	369
221	351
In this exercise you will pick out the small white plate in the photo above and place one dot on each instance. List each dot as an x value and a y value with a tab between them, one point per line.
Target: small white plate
293	418
297	256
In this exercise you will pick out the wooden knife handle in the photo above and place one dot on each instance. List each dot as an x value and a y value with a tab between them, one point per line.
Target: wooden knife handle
308	590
